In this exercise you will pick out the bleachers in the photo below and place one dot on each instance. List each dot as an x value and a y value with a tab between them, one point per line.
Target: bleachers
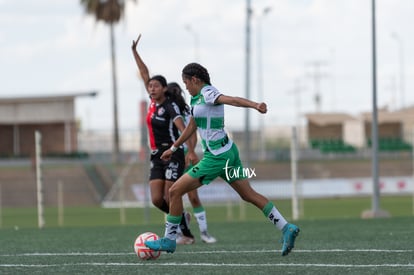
391	144
18	185
385	144
331	146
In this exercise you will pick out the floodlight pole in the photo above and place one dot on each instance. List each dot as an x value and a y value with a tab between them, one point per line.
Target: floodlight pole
294	173
116	147
375	210
39	180
1	213
412	148
196	42
262	137
247	84
374	125
401	63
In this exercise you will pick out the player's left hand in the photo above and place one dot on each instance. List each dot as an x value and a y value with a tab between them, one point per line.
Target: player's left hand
191	158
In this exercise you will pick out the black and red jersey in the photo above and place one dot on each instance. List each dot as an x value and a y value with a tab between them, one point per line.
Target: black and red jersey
160	121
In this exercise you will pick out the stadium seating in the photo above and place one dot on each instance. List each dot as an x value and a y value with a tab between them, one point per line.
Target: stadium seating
391	144
331	146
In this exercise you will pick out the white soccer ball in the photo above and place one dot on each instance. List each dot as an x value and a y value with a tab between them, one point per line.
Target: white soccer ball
144	252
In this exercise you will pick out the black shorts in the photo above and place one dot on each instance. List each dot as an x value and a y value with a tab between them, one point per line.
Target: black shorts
169	170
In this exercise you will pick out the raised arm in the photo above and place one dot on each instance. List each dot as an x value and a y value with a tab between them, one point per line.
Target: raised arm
143	69
242	102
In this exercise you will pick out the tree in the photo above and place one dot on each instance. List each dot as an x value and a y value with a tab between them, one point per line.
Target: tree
110	12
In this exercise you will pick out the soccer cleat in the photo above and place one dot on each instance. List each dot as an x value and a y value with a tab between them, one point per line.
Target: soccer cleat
181	239
163	244
207	238
290	232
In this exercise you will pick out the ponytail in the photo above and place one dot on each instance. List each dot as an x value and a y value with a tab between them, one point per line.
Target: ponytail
175	93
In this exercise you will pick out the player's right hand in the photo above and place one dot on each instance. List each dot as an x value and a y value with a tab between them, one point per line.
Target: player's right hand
166	155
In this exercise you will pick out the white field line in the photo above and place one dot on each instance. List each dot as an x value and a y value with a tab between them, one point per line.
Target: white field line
38	254
158	263
214	265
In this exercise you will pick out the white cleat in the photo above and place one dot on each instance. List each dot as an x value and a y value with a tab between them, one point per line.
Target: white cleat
181	239
207	238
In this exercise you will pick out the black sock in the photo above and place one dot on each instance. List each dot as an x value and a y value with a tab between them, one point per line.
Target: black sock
184	227
183	224
164	207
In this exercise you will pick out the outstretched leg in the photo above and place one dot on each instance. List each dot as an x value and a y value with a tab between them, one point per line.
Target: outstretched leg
289	231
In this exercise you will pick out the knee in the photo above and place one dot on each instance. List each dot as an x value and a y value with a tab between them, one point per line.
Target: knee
157	201
174	192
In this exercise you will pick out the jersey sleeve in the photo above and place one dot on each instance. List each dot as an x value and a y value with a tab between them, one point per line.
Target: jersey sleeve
210	94
186	117
173	110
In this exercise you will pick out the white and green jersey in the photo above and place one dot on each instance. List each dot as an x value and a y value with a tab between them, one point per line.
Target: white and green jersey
186	118
209	118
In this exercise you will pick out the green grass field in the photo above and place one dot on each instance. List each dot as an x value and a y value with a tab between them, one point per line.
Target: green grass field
93	242
314	209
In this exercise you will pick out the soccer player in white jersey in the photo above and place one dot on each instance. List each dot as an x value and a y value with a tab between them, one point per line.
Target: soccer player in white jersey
220	153
198	209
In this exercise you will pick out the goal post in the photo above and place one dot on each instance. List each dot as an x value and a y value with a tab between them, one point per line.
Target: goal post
1	213
294	172
39	181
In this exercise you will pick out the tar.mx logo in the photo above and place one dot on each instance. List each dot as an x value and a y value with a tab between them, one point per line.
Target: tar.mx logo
238	172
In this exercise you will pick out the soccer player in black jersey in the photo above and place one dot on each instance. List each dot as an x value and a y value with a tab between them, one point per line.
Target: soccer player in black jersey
165	121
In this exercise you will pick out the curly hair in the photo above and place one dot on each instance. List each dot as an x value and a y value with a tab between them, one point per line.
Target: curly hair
175	93
195	69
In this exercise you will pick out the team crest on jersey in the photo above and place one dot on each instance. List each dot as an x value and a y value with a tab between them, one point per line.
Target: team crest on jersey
161	111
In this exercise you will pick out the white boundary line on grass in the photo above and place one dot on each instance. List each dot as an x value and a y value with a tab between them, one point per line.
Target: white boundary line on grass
157	263
37	254
213	264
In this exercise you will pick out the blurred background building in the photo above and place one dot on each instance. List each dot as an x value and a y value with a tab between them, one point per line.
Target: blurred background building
54	116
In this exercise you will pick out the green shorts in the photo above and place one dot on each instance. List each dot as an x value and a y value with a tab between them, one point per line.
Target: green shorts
226	166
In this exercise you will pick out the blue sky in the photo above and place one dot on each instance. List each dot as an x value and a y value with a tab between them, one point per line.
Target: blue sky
52	47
